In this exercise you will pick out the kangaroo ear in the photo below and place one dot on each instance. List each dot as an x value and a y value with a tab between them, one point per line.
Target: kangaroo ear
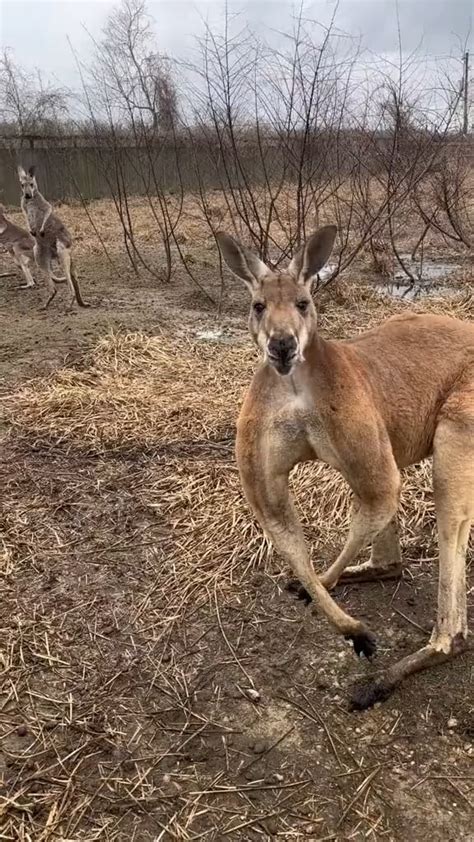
241	261
32	170
21	172
313	254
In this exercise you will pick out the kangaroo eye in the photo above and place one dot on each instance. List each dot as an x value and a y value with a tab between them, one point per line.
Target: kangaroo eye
258	308
302	306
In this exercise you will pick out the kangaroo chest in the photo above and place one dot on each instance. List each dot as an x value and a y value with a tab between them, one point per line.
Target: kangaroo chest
301	423
31	212
34	213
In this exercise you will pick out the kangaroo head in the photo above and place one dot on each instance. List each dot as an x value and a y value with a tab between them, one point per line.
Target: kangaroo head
28	183
282	314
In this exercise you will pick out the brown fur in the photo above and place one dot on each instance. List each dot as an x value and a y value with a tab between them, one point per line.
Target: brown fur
52	239
368	406
20	246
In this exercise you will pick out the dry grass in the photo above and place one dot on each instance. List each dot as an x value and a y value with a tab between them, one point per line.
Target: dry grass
123	519
96	225
135	392
178	401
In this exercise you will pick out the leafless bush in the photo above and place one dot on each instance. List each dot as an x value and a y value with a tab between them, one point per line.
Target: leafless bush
131	103
268	121
294	136
271	140
28	105
136	81
446	204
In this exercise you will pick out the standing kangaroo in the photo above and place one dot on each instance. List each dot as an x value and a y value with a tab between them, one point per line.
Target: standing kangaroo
52	239
368	406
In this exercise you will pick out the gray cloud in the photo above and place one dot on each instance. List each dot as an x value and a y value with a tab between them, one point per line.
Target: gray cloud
37	31
436	24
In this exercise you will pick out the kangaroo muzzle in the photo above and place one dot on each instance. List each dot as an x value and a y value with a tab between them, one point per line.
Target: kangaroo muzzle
282	352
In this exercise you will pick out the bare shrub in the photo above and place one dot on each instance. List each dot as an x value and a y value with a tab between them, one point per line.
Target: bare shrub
28	104
270	139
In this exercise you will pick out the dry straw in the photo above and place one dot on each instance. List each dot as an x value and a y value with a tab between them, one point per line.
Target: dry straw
122	516
176	401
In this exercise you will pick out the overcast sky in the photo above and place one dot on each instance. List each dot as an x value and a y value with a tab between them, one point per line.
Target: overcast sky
37	30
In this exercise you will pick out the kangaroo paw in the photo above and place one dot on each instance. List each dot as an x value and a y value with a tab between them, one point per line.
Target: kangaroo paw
295	587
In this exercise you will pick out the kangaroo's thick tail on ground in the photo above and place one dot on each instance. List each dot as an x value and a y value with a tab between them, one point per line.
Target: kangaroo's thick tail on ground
77	291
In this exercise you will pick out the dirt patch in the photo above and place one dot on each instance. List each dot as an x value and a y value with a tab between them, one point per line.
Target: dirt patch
159	682
124	713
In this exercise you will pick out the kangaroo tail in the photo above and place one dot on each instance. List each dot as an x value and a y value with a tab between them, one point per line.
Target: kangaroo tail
75	284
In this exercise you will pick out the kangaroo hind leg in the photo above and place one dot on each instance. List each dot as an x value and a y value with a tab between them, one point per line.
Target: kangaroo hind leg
23	261
372	523
453	480
43	261
385	560
65	260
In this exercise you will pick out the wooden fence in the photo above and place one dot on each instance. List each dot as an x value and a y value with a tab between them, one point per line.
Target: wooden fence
75	167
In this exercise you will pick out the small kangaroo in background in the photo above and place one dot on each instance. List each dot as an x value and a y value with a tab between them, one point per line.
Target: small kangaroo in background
20	245
52	239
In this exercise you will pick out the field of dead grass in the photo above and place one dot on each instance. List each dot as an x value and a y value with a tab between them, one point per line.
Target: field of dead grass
158	681
98	233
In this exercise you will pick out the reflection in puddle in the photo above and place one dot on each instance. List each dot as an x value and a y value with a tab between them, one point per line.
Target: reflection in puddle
429	270
410	292
426	277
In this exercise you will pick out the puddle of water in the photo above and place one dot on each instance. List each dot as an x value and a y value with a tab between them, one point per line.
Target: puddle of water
430	270
426	283
410	292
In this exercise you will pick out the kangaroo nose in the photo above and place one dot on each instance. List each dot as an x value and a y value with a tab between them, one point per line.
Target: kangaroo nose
282	347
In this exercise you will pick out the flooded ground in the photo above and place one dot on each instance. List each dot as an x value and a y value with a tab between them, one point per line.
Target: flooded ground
411	292
427	271
428	279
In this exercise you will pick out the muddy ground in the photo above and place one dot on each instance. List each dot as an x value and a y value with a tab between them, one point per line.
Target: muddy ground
109	735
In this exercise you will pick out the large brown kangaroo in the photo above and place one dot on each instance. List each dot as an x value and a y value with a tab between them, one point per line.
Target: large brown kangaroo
368	406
